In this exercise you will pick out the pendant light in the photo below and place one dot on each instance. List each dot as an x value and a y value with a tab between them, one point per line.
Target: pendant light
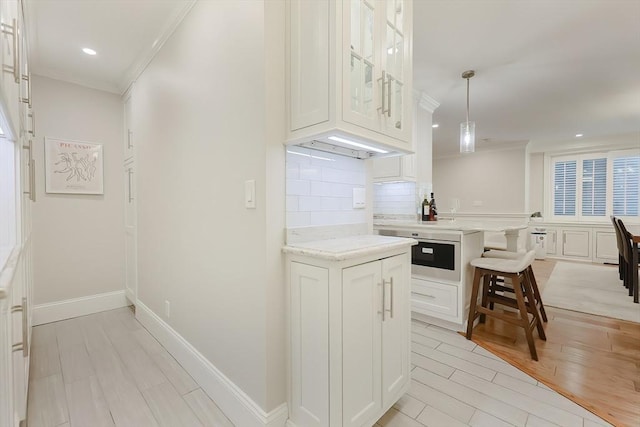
468	129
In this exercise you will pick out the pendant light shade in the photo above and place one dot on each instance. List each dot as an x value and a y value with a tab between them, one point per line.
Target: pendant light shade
468	129
467	137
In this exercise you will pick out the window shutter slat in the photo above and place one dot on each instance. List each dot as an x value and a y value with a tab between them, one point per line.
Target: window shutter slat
626	186
564	195
594	187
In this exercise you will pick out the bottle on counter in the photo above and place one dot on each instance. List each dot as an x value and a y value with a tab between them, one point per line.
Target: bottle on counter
433	211
426	209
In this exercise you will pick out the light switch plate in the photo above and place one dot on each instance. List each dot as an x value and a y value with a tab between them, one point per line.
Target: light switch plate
359	198
250	194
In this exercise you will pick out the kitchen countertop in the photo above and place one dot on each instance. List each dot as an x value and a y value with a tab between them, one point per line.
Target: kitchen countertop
456	225
348	247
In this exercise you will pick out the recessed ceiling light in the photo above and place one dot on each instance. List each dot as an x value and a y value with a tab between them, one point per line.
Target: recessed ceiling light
578	135
435	125
89	51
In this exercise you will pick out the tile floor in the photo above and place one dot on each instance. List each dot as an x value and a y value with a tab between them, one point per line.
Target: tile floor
107	370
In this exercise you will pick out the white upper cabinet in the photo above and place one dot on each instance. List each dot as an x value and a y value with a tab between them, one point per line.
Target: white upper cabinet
350	71
11	62
398	168
128	126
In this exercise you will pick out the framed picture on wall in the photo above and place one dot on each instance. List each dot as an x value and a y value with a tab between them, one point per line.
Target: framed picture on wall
73	167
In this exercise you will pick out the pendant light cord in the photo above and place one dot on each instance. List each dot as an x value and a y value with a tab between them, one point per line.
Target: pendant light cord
467	102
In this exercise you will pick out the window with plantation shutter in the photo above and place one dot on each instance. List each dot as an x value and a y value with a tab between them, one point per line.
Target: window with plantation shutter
626	186
564	188
594	187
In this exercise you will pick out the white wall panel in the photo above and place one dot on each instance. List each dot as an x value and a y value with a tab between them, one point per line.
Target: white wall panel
79	239
206	122
484	181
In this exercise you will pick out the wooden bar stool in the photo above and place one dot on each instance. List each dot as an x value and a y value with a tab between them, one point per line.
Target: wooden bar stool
487	270
529	271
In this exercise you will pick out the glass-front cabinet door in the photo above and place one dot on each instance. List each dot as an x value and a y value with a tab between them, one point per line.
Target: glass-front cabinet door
376	74
362	70
395	60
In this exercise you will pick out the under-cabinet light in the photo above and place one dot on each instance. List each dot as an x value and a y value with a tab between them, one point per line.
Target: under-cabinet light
89	51
309	155
357	144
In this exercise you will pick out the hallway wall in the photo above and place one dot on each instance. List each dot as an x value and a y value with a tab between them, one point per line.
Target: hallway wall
78	239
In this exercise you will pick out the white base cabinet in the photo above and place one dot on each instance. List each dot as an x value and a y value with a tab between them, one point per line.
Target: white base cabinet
350	338
582	242
605	246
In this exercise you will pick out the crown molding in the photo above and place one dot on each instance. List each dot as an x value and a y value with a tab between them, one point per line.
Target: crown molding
139	66
425	101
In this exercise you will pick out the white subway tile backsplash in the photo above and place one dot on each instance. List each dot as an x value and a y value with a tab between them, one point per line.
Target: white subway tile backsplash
298	155
338	217
293	171
309	204
332	203
292	204
320	188
398	198
346	204
331	189
310	172
343	176
298	219
298	187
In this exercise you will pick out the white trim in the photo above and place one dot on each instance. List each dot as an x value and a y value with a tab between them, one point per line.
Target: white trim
427	103
500	215
146	57
231	399
67	309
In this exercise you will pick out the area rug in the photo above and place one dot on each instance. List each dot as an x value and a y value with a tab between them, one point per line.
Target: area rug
592	289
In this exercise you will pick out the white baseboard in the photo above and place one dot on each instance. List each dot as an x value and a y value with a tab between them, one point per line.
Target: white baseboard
67	309
234	402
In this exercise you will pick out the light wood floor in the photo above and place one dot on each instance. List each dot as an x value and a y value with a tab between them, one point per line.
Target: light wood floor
593	360
106	369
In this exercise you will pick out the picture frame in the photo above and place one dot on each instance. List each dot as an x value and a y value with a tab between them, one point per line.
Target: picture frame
73	167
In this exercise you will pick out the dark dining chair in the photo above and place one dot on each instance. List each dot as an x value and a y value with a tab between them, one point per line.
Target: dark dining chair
631	261
620	243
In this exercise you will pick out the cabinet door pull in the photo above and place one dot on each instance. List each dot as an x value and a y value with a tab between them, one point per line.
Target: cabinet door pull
129	144
391	297
130	172
32	180
383	81
389	95
33	123
25	326
27	100
384	297
17	347
12	30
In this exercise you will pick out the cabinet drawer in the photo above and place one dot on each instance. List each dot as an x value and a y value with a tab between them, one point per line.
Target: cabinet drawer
434	298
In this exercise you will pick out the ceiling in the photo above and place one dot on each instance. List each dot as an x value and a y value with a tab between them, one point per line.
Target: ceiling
125	34
545	69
